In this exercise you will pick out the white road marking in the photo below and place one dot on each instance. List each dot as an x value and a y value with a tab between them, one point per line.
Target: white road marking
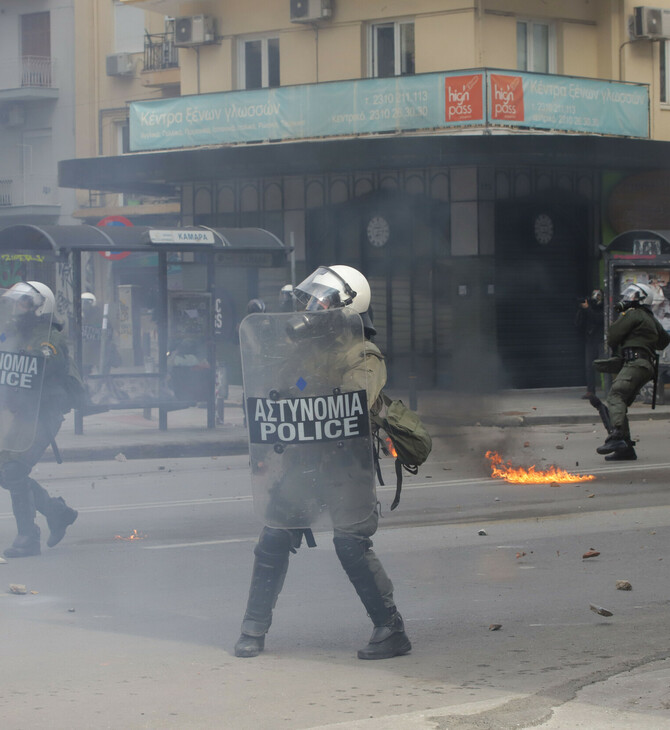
198	544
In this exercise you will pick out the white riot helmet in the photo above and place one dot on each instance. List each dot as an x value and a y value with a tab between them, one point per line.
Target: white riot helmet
31	296
334	286
636	294
88	299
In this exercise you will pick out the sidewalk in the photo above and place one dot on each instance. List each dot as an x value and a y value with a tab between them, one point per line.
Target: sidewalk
128	432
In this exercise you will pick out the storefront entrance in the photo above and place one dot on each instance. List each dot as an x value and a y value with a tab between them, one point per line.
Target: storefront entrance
541	265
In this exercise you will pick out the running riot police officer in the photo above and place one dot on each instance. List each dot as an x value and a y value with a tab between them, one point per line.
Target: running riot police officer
310	447
35	366
636	335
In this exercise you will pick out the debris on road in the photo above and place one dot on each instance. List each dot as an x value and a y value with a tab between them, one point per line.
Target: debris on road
591	553
600	610
482	532
520	555
18	589
120	457
2	560
495	627
624	585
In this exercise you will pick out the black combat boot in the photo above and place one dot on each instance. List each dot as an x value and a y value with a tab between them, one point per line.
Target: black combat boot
60	517
625	454
25	545
388	637
267	579
614	442
248	646
387	641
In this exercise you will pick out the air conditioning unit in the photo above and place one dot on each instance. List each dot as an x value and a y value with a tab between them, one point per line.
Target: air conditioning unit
120	64
309	11
653	23
194	30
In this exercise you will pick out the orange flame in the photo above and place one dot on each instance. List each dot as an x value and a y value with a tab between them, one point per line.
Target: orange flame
391	448
531	475
134	536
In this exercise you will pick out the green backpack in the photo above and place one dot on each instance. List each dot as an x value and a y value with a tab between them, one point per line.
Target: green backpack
411	441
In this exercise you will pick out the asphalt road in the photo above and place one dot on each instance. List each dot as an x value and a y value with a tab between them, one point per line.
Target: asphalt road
120	633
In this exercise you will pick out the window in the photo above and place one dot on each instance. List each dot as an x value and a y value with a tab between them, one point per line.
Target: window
36	35
259	63
36	50
665	72
128	29
535	47
392	49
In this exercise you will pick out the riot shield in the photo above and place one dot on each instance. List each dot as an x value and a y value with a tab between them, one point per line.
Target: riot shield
24	349
309	430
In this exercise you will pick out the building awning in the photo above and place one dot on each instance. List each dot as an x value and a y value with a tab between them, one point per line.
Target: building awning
60	240
163	173
644	243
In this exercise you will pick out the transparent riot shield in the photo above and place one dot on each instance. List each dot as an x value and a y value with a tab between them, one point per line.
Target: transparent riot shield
308	420
24	349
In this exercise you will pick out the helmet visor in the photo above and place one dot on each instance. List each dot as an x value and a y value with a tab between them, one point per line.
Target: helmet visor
23	297
313	296
633	293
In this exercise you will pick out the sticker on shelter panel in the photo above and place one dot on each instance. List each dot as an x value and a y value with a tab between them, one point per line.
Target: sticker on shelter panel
312	419
463	100
506	98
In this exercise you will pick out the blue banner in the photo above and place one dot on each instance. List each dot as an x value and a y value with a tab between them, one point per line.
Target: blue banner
479	98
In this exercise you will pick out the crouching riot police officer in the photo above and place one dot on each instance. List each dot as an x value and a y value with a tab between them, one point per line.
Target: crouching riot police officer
636	335
34	367
311	378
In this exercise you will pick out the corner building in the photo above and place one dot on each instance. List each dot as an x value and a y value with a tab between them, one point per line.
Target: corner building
470	158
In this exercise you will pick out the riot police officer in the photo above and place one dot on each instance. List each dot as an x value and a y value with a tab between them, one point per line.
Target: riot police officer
27	322
636	335
362	368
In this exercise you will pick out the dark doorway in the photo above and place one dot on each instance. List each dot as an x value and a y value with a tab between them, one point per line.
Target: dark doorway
541	272
393	239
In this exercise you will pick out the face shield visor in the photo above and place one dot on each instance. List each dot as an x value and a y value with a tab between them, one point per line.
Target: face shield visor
323	289
21	299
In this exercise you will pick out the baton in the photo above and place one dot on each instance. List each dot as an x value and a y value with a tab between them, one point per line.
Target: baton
653	394
54	448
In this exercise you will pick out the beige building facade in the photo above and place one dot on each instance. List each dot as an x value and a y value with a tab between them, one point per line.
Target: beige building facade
478	227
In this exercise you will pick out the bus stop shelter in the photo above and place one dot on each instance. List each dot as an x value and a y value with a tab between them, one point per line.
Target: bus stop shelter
139	386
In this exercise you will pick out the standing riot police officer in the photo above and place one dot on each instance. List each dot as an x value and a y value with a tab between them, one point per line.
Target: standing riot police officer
29	333
636	335
318	476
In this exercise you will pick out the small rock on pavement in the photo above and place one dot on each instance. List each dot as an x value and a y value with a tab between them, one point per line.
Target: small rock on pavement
120	457
495	627
591	554
624	585
2	560
482	532
18	588
600	610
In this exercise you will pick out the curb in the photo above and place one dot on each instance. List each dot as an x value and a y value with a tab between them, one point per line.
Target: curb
150	451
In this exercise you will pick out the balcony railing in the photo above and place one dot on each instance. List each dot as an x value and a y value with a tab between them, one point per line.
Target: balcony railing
35	72
160	52
28	190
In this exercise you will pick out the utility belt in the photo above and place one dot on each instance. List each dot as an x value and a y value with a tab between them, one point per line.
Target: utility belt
635	353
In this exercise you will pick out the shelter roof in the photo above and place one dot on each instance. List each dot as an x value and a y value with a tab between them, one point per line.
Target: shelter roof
162	173
59	240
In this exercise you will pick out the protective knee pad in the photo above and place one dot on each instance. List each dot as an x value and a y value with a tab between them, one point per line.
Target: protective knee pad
273	542
350	551
13	475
